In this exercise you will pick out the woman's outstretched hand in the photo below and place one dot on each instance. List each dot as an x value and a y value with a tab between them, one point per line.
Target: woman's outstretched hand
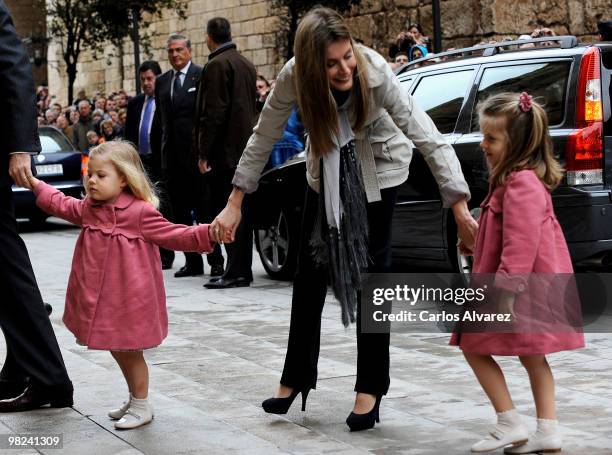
467	227
463	250
226	223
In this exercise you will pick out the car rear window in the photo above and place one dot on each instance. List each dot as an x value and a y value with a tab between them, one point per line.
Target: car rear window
52	141
441	96
546	82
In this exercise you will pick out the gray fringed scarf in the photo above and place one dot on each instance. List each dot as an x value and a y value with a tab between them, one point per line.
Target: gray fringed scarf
340	238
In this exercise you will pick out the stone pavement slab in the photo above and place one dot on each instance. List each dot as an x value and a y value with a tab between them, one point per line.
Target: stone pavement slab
224	355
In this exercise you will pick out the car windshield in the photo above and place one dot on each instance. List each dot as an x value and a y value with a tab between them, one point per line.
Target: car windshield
52	141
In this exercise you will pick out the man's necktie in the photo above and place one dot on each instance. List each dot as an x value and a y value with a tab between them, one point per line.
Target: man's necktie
176	85
143	136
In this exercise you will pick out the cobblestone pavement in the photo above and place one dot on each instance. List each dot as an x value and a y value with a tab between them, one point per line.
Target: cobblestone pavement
224	355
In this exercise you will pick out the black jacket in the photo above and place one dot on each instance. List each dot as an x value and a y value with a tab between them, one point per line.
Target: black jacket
18	117
176	120
226	108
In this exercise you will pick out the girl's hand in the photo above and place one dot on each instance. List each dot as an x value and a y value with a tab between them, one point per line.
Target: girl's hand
212	234
33	182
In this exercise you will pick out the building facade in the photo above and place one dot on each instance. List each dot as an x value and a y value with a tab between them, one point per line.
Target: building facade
258	33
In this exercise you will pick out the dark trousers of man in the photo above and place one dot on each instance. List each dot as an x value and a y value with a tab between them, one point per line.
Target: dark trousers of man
240	252
185	191
309	291
154	173
32	349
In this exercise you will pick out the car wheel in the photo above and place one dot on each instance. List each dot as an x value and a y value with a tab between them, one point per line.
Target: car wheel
277	246
464	263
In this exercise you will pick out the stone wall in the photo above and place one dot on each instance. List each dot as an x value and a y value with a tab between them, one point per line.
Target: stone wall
253	28
467	22
29	19
376	22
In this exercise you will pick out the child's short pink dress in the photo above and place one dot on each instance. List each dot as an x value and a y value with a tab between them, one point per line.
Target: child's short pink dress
519	235
116	298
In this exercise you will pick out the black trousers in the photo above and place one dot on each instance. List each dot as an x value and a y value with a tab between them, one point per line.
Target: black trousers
187	194
240	252
155	175
309	291
32	349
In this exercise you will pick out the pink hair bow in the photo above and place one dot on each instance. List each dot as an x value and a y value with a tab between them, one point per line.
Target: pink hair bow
525	102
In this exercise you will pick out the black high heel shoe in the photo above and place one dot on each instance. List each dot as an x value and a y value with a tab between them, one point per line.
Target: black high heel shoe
359	422
282	405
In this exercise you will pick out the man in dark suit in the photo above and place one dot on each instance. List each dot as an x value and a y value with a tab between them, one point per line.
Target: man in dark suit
142	125
226	113
33	373
175	96
143	129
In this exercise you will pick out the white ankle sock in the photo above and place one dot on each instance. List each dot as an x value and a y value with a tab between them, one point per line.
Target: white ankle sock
139	402
547	426
509	418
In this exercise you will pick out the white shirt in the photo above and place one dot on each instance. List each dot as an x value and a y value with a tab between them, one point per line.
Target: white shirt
182	76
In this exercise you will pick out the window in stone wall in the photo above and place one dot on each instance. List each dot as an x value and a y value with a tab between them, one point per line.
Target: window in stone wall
441	96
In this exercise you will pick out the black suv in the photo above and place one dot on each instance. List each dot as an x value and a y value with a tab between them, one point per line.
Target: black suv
572	81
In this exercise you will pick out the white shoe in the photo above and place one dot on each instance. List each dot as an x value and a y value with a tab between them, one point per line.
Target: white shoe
116	414
508	431
545	440
499	438
139	413
543	444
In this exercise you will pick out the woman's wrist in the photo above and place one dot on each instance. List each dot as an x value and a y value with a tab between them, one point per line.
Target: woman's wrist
235	198
461	211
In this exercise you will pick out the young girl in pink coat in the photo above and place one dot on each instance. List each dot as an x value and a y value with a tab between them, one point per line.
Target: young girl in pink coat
115	299
518	235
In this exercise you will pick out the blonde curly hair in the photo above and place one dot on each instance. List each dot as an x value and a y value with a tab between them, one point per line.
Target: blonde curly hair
125	158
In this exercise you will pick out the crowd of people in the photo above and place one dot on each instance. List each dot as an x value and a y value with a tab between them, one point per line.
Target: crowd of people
410	44
88	121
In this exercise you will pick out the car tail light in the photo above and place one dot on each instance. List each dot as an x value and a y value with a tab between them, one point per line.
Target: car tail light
584	150
84	161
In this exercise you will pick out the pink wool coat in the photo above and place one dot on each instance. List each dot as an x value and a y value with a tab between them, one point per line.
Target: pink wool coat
116	298
519	234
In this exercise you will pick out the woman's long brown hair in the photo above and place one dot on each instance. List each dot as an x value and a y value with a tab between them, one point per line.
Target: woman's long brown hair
319	28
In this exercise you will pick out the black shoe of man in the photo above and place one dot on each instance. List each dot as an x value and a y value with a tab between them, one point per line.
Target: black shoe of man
216	271
186	271
36	396
12	388
225	283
